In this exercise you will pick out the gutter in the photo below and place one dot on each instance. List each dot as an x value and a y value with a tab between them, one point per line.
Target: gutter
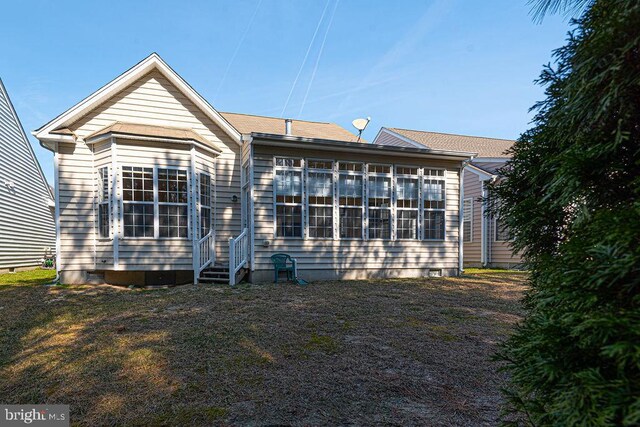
286	141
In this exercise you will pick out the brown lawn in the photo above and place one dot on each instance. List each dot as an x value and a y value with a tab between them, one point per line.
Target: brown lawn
399	352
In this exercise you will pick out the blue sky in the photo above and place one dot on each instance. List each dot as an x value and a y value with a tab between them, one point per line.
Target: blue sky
458	66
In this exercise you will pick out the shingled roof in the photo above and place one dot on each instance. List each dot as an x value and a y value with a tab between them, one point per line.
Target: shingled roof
246	124
485	147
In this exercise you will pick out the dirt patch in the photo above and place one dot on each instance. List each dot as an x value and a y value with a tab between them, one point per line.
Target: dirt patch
394	352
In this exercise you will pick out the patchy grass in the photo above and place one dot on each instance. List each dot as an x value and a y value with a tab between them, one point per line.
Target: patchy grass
29	277
354	352
471	271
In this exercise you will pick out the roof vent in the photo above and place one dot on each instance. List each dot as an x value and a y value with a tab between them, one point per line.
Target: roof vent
287	126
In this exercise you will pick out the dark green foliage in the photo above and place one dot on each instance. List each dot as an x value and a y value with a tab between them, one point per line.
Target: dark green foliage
571	199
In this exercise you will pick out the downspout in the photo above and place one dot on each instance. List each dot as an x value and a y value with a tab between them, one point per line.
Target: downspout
483	226
56	215
460	218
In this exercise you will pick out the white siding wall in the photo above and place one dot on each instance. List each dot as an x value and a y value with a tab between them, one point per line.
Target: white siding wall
26	221
325	258
150	100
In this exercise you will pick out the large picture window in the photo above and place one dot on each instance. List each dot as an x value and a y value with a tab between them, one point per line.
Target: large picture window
379	201
288	197
137	201
351	199
205	204
320	198
433	191
407	202
173	198
104	216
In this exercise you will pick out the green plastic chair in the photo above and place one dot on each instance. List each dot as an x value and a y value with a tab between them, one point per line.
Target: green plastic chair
283	262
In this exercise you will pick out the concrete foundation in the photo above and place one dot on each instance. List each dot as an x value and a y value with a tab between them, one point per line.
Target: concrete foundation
266	276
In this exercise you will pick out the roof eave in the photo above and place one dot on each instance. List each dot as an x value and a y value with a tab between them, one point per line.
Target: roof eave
345	146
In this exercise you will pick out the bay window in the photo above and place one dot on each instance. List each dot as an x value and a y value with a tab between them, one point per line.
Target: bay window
137	201
205	204
433	191
104	213
379	201
288	197
351	199
320	198
407	202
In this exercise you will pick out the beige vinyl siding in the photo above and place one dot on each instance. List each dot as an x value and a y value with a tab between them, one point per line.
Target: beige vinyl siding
153	100
501	252
26	221
76	181
352	258
473	190
385	138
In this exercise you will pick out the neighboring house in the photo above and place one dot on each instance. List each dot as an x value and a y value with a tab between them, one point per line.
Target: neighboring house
156	186
27	229
486	242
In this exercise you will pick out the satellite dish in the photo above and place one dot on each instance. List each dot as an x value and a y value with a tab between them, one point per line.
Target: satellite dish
360	124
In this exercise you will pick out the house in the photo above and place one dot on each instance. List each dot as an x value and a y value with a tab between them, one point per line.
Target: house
154	185
27	228
486	242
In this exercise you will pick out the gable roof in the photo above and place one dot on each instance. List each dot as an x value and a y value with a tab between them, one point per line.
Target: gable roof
6	101
247	124
51	130
485	147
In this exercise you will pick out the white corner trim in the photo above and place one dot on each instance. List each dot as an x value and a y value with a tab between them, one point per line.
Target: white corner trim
151	62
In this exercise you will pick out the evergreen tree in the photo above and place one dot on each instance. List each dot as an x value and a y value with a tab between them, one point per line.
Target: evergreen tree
571	199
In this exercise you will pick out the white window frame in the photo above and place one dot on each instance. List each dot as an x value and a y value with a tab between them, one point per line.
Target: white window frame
425	177
101	201
299	169
209	206
330	173
153	203
389	176
363	175
469	220
495	231
416	178
158	203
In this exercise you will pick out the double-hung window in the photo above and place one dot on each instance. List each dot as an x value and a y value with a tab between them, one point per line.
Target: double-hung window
433	192
467	220
104	216
137	201
173	203
351	199
407	202
205	204
288	197
379	201
320	198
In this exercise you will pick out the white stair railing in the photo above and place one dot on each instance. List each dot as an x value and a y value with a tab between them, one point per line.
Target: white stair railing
206	251
238	254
